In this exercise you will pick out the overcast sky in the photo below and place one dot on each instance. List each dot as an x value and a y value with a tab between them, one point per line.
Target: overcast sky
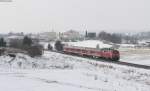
62	15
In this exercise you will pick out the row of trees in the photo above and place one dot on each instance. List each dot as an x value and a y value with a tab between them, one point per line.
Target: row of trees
25	44
19	43
2	42
114	38
117	38
33	50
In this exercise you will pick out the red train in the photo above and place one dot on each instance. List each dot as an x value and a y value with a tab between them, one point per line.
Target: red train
106	53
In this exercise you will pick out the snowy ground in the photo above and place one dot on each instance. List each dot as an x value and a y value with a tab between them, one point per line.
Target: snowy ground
58	72
90	44
135	55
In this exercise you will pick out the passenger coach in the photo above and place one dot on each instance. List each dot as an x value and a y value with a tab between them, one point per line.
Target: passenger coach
107	53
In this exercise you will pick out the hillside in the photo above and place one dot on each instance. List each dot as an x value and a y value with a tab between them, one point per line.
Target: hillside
59	72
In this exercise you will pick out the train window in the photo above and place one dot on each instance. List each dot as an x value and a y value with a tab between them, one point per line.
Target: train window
79	50
92	51
116	52
84	51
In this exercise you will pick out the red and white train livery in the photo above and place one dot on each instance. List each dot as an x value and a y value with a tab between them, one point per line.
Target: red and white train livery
107	53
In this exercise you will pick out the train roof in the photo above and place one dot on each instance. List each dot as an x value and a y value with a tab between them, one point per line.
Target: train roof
89	48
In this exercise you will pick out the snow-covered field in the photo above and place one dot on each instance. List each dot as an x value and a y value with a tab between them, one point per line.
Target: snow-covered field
135	55
90	44
58	72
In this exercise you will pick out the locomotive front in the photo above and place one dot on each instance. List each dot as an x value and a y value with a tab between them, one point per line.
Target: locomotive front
115	55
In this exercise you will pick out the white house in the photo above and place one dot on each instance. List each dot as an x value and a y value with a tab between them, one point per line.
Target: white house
71	35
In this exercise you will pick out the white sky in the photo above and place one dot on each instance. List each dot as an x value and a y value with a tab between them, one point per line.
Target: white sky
62	15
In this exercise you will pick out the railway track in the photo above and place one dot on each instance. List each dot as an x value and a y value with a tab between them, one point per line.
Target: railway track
114	62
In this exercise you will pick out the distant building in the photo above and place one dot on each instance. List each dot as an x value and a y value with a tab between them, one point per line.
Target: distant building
91	35
17	34
71	35
14	38
47	36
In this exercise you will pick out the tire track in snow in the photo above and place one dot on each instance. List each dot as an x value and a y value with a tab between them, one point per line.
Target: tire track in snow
71	84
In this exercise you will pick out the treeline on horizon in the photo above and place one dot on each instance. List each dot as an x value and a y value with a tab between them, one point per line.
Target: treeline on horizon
118	38
124	37
111	37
